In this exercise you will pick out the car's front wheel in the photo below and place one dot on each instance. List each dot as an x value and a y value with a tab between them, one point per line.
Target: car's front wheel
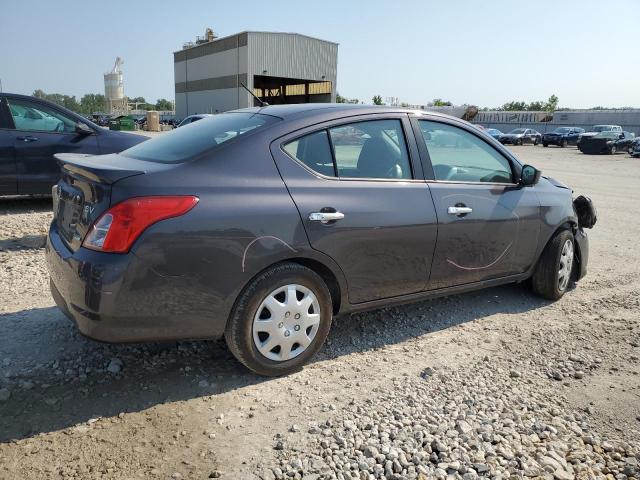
545	144
612	150
563	142
280	320
552	275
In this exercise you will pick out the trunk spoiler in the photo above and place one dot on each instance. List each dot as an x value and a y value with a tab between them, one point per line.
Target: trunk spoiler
100	168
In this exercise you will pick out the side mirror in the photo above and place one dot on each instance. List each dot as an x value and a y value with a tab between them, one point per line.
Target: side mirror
529	176
83	129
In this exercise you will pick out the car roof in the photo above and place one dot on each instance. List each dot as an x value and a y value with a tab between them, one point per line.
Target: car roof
291	111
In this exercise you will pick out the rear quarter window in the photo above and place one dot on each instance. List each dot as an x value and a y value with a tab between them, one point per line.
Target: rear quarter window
191	140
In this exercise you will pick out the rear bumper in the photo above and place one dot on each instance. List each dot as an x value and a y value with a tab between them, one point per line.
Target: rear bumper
119	298
582	244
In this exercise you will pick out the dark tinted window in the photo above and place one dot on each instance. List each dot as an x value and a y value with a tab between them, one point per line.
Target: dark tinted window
191	140
459	156
373	149
314	151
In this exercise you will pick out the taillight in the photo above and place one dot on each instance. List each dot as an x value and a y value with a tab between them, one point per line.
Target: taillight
116	229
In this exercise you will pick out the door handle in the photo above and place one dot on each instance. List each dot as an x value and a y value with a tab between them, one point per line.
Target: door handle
459	210
28	138
325	217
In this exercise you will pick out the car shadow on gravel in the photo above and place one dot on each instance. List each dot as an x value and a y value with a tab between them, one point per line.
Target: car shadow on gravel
26	242
11	205
56	378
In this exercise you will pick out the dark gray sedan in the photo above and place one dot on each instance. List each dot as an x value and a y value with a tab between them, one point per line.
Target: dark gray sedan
521	136
261	225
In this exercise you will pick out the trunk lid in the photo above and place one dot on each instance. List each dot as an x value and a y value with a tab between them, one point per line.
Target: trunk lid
84	191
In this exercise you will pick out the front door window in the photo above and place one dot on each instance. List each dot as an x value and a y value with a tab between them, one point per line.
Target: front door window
459	156
32	116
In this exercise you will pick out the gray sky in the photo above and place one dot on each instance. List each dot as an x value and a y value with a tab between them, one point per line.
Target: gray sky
479	52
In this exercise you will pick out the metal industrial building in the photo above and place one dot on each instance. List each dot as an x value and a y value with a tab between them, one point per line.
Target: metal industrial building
277	67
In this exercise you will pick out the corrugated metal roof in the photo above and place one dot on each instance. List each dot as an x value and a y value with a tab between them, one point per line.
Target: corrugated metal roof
292	56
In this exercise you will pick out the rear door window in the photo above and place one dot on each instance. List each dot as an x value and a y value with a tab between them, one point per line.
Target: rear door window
371	149
459	156
314	151
374	149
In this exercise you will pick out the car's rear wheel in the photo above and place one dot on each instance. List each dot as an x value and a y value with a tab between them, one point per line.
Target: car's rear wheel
280	320
563	142
545	144
518	142
630	151
552	276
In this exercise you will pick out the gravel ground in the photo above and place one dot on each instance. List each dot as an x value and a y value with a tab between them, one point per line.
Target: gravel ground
496	383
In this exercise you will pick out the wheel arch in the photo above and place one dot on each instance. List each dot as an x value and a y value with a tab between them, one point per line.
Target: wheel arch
568	224
331	276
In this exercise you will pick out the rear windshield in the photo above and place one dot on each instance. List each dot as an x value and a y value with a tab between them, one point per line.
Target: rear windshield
198	137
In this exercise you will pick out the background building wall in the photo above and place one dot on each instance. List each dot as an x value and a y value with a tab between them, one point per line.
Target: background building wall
292	55
628	119
208	76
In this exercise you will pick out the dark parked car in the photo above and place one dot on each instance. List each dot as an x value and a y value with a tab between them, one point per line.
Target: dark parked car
520	136
562	136
634	149
261	225
33	130
494	132
194	118
609	142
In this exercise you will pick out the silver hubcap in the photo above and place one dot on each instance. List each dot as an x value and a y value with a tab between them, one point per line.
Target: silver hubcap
286	322
566	262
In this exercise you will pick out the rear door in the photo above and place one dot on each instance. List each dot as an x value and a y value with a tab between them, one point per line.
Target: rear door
8	182
40	131
487	224
358	186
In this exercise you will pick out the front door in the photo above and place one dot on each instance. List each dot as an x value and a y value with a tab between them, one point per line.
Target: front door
8	182
487	225
40	132
358	188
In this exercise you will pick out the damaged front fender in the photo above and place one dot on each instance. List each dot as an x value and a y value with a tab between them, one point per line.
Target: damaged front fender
585	211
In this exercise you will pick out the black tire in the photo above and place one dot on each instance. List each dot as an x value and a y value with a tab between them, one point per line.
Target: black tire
612	150
545	280
563	142
519	142
535	142
239	333
545	144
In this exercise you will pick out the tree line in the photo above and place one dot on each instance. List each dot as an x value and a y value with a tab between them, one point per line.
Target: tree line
550	105
95	102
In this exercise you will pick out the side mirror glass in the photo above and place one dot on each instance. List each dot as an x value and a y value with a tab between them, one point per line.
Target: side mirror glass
83	129
529	176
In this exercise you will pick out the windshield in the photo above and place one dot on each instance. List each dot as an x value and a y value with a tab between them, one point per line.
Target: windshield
493	131
196	138
516	131
562	130
608	134
601	128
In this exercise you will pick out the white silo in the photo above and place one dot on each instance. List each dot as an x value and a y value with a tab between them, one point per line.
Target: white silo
115	101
